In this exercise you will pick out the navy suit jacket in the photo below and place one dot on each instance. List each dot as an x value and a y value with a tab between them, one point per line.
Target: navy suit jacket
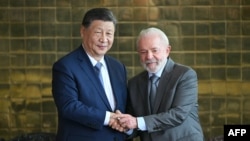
175	113
81	100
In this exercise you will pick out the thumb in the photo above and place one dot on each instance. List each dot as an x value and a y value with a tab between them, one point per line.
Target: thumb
118	112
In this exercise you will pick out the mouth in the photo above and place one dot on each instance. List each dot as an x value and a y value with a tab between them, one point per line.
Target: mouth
101	46
150	62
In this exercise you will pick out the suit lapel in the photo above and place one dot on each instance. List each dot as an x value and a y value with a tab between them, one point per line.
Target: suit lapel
112	80
144	91
88	69
163	84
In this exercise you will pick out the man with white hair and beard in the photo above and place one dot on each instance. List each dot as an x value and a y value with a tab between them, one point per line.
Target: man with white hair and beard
163	100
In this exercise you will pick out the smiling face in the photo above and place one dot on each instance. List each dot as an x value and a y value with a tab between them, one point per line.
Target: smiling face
98	38
153	52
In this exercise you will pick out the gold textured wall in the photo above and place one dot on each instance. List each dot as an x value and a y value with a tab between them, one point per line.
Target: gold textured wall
212	36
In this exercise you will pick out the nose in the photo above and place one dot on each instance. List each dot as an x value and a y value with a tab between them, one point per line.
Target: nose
149	55
103	38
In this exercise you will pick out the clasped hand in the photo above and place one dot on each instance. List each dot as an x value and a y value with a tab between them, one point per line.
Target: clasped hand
122	122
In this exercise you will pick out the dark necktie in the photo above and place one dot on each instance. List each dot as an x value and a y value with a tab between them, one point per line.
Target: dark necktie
153	88
98	71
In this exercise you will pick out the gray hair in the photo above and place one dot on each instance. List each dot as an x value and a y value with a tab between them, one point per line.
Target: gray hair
153	30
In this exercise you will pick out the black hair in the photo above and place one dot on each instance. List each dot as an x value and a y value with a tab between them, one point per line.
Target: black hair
103	14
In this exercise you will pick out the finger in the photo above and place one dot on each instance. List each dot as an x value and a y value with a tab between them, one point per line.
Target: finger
122	120
114	126
121	129
112	122
118	112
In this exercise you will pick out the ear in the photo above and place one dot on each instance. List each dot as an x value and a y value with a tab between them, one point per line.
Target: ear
81	31
168	49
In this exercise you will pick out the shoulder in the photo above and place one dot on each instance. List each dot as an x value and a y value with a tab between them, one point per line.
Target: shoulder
69	58
71	54
183	71
182	68
178	71
141	77
112	61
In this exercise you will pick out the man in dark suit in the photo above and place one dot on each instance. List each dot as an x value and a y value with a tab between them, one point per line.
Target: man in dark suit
165	109
87	94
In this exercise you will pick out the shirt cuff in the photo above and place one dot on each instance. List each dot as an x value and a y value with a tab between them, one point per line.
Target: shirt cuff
129	132
107	117
141	124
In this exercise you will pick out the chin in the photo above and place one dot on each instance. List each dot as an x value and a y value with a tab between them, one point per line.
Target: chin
151	70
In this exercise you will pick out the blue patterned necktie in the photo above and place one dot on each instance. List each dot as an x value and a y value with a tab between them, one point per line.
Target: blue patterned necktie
98	71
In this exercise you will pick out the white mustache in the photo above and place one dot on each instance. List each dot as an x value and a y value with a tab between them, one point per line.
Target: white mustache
150	61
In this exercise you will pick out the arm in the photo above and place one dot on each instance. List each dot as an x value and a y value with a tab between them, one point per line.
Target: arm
65	89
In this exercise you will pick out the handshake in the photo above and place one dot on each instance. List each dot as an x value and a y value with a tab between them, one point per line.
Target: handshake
122	122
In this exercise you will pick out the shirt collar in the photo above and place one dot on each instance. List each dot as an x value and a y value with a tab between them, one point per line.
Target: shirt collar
93	61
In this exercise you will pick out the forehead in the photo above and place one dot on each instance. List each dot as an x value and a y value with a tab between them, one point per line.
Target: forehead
99	24
150	41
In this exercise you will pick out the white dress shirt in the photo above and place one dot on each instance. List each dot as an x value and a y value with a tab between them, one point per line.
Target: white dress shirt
107	86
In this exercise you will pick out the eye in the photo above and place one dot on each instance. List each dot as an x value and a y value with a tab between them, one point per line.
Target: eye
109	33
142	51
97	31
155	50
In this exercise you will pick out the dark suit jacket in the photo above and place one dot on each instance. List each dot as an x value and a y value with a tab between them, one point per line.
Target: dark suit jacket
175	113
81	100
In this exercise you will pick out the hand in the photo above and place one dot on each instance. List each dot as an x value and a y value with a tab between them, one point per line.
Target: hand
127	121
114	121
